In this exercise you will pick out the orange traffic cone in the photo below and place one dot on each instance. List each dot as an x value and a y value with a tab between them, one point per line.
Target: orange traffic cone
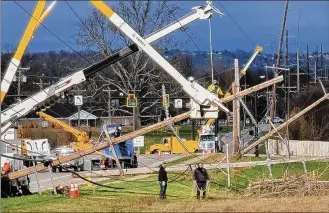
76	190
72	191
159	154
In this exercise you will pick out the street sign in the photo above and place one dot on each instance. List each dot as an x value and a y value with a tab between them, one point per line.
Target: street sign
78	101
139	141
178	103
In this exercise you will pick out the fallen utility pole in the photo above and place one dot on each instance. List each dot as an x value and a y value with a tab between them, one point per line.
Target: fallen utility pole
41	167
252	89
268	135
103	145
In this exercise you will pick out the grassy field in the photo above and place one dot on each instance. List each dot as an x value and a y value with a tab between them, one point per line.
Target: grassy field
142	195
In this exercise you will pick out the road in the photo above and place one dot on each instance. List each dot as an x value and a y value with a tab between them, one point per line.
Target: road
245	137
182	167
65	178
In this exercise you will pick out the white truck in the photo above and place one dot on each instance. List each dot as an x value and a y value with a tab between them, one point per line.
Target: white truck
207	139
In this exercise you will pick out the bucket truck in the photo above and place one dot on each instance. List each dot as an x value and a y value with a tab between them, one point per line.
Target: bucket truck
48	96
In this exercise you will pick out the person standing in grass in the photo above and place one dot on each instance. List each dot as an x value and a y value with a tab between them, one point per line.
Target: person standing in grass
200	177
162	178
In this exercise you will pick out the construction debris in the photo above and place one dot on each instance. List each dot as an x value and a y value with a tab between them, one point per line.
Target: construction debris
302	185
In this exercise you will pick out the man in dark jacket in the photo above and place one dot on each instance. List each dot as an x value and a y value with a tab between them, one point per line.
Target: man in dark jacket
162	178
201	177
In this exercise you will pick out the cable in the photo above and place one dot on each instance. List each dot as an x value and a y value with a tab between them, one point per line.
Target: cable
236	24
183	28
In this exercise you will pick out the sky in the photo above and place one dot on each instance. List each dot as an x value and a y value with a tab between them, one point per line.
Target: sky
260	21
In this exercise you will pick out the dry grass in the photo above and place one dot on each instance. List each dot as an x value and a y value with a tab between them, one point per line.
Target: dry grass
153	204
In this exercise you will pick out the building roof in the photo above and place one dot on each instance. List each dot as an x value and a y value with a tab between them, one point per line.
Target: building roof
83	116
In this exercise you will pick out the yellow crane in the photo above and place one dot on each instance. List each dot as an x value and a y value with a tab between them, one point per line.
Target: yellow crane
257	50
37	18
82	137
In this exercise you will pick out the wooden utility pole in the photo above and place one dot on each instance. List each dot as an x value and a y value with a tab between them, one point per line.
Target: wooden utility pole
316	62
272	110
236	107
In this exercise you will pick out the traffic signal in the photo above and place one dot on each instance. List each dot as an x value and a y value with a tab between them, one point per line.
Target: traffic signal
131	100
165	100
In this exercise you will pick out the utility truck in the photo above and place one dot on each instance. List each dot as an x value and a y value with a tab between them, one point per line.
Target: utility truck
124	151
207	139
171	145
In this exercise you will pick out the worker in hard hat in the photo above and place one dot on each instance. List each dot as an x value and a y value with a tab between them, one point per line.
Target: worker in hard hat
214	88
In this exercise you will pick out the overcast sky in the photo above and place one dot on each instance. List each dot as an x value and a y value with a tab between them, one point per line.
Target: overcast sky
257	19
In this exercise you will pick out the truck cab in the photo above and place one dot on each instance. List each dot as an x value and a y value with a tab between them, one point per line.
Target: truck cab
207	139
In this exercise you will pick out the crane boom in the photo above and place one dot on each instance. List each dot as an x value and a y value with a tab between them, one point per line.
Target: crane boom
81	136
18	110
200	97
37	17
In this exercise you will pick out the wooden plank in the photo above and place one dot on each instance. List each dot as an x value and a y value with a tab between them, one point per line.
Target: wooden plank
100	146
292	119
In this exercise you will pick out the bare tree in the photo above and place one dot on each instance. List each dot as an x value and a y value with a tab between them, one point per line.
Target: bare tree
137	73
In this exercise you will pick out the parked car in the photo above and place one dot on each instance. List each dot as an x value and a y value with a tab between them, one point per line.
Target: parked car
276	120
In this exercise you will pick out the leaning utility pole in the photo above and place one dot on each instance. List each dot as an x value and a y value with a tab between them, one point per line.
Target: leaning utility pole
109	103
272	110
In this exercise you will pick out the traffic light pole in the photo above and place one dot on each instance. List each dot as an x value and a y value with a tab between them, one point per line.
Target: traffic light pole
109	103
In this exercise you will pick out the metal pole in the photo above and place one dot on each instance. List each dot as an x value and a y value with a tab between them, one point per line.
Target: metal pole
52	181
36	175
256	127
19	82
109	106
210	42
193	129
79	108
298	81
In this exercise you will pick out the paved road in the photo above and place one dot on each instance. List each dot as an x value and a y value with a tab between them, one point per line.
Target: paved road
65	178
